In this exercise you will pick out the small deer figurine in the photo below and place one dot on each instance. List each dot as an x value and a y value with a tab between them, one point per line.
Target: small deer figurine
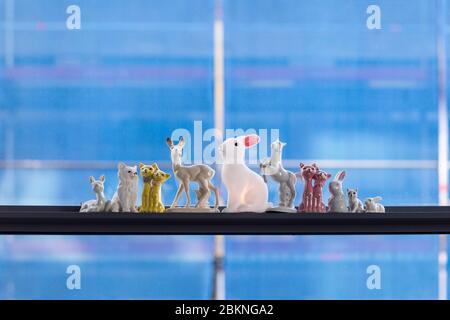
200	173
307	174
319	182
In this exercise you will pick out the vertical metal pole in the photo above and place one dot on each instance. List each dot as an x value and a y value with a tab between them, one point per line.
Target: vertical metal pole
442	138
219	123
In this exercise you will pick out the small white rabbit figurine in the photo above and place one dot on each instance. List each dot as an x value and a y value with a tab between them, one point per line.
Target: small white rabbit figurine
372	205
247	191
354	204
336	203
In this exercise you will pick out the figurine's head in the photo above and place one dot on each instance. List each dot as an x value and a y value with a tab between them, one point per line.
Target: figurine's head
176	151
232	150
127	172
308	172
159	177
352	194
335	186
277	146
147	171
97	185
321	176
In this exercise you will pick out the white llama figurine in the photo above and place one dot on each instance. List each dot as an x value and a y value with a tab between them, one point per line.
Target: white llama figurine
273	167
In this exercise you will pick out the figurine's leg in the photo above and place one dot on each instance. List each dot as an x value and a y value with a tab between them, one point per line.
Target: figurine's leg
188	196
177	196
203	194
216	194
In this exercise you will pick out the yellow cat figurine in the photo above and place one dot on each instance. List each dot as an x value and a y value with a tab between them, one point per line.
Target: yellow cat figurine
159	177
147	172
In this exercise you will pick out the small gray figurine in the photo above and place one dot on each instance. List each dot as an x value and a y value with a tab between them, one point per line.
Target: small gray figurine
286	179
354	204
336	203
373	205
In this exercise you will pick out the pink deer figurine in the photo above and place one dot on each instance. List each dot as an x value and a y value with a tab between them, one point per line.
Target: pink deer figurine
319	182
307	174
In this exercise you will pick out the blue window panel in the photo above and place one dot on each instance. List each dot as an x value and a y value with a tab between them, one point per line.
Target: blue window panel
152	267
330	267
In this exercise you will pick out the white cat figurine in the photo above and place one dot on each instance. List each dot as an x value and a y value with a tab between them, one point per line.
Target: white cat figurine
124	200
246	189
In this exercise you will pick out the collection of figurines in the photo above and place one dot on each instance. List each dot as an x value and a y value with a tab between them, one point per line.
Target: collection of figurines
247	190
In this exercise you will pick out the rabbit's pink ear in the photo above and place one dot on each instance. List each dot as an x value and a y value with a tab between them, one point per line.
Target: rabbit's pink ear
251	140
341	176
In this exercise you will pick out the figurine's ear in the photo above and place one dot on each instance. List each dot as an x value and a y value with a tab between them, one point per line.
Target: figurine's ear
121	165
377	199
102	178
155	166
302	165
169	142
91	179
340	176
167	175
356	190
181	142
348	190
141	165
251	140
315	166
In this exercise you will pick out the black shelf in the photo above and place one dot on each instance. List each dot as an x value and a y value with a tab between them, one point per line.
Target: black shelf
66	220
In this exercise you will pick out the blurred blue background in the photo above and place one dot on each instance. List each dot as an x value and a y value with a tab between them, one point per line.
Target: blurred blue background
74	102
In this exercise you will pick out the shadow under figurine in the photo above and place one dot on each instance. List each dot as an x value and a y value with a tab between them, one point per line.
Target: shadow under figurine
286	180
101	203
199	173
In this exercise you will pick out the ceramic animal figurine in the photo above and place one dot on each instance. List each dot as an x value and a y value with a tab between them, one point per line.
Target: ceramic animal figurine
273	167
199	173
307	174
124	200
354	204
336	202
319	182
147	172
101	203
372	205
156	205
247	191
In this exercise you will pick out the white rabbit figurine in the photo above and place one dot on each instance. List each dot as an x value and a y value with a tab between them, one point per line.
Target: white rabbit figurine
125	198
247	191
336	203
372	205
